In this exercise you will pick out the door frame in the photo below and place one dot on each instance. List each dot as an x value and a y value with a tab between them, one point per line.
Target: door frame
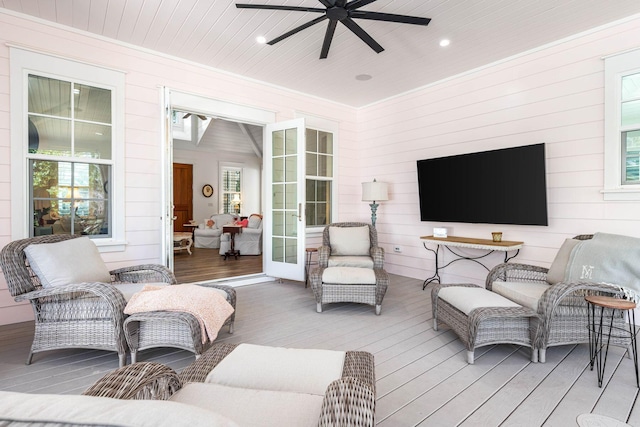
179	100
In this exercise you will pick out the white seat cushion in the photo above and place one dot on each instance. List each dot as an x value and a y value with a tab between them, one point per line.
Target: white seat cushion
351	261
468	299
349	240
279	369
525	293
128	289
69	261
254	408
349	276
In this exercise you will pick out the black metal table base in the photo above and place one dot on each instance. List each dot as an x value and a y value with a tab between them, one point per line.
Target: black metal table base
460	257
599	331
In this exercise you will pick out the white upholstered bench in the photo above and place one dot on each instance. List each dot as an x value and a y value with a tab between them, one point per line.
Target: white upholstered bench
349	284
481	317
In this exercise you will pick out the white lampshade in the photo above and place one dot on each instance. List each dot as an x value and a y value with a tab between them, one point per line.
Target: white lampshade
374	191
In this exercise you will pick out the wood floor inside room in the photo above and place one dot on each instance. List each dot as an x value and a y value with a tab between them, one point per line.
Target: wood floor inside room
422	375
207	264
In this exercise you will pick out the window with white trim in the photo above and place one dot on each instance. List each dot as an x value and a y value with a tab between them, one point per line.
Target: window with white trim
319	177
68	120
622	126
231	191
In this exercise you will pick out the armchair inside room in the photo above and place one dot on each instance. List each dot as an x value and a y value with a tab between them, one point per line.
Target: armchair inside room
77	301
208	235
558	299
249	242
335	254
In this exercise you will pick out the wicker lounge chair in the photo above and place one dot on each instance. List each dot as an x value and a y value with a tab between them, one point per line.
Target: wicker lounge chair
561	308
90	315
371	293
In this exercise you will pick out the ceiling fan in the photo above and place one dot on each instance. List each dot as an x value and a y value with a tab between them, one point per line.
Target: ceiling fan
200	116
340	11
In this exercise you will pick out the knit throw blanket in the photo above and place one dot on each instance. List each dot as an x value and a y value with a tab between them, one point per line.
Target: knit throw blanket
607	258
207	305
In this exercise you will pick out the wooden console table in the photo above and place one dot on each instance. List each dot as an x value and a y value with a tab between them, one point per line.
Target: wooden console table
470	243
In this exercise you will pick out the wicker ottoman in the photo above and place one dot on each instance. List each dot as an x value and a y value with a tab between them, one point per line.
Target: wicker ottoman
349	284
481	317
171	328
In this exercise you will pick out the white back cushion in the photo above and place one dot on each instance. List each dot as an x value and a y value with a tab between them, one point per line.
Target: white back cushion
349	240
69	261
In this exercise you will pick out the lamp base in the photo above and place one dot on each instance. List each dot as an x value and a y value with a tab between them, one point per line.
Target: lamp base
374	208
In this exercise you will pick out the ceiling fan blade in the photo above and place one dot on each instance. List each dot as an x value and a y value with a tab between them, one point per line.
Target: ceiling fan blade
201	117
389	17
328	37
341	3
297	29
270	7
328	3
186	116
358	31
356	4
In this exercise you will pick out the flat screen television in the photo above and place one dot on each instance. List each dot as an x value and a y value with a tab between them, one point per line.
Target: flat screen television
506	186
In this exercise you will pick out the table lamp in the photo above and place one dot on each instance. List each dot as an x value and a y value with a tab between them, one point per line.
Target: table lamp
374	192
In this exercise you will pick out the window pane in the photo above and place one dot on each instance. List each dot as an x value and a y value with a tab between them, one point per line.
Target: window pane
631	157
311	190
278	169
325	165
278	196
291	168
278	142
92	103
49	96
631	87
291	197
324	190
291	251
322	214
49	136
325	143
312	164
291	141
630	114
93	141
312	140
277	249
310	211
278	223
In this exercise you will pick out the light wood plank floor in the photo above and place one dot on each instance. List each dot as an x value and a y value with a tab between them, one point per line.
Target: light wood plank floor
422	375
207	264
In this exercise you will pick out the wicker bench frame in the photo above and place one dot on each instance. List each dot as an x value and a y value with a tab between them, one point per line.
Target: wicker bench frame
349	400
171	329
486	325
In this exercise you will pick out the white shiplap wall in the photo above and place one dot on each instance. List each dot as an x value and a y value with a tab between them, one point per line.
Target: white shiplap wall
146	72
552	95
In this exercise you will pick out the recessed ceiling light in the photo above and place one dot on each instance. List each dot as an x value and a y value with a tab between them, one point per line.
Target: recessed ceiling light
445	42
261	39
363	77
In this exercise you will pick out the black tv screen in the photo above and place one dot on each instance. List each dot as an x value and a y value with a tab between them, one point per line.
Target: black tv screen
505	186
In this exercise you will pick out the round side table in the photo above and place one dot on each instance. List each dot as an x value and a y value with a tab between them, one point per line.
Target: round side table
599	330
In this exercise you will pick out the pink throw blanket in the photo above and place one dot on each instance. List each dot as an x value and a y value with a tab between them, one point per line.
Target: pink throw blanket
207	305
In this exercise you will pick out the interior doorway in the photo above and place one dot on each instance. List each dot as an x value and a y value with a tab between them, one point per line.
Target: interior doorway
204	148
182	196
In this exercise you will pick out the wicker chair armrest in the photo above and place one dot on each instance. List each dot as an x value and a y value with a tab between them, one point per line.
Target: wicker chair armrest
360	365
323	256
140	381
572	294
143	274
348	401
197	372
514	272
377	253
75	290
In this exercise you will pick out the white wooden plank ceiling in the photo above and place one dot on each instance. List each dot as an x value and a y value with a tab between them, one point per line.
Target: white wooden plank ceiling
217	34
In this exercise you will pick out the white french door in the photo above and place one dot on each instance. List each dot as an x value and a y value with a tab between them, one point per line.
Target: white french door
284	166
